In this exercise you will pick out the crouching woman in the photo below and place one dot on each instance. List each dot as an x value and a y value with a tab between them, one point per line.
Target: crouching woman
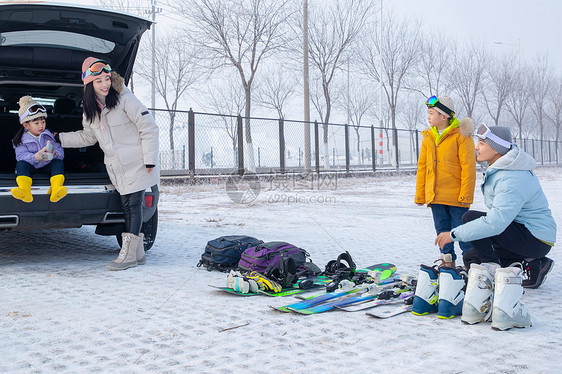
518	227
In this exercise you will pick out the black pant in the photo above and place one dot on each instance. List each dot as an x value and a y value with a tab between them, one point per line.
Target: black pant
514	244
55	167
132	211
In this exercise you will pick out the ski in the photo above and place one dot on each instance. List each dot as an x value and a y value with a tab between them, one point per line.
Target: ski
384	313
372	294
346	288
375	303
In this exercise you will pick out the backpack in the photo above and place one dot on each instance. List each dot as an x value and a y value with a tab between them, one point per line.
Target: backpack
280	261
223	253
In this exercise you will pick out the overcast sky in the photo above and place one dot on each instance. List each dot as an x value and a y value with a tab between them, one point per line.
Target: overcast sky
528	28
535	25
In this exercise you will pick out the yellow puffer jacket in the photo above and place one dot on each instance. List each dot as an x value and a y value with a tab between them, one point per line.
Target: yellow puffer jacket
447	172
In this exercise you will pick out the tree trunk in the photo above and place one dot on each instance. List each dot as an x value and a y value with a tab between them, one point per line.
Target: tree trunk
171	134
248	134
359	158
326	150
394	137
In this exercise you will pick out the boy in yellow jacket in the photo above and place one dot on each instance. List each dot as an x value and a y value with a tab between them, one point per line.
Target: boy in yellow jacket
446	170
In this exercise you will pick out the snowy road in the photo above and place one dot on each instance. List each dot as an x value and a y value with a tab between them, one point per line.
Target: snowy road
62	311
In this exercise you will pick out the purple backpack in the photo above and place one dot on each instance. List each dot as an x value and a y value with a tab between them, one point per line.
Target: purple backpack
271	255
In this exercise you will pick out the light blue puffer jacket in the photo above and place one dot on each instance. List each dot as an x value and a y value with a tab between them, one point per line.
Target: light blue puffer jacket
512	192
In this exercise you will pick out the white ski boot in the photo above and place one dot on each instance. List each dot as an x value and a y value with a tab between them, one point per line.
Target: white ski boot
452	284
426	296
508	311
477	306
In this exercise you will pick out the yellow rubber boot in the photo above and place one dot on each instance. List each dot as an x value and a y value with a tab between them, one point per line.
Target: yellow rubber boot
23	190
58	191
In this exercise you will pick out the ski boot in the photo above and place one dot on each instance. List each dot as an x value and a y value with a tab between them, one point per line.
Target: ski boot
477	306
237	282
452	284
507	309
536	271
263	283
426	296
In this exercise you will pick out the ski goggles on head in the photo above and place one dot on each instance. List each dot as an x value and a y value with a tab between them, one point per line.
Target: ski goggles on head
484	132
32	110
433	101
96	68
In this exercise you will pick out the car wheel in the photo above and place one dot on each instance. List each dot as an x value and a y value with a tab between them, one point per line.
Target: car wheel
149	229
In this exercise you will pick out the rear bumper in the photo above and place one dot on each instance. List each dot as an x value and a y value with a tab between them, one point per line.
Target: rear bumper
83	205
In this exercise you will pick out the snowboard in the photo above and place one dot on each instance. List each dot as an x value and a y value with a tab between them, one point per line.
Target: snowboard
385	270
395	279
319	282
233	292
390	311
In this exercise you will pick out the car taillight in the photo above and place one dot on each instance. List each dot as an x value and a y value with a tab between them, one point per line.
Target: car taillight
148	201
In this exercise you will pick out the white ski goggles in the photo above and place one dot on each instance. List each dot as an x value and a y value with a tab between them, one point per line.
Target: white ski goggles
484	132
32	110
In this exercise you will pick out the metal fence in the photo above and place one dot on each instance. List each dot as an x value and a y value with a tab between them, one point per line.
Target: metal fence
210	144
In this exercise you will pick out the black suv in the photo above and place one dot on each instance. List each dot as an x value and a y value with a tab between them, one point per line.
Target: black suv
42	47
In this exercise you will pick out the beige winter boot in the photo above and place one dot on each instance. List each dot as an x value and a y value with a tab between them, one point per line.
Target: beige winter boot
128	255
446	260
141	258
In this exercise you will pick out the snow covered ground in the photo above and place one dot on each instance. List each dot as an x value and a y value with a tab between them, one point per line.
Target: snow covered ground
62	311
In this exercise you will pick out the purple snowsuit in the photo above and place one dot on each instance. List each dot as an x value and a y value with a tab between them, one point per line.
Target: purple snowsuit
29	146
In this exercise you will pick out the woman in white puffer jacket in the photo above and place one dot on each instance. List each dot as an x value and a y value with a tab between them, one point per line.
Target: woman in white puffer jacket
128	136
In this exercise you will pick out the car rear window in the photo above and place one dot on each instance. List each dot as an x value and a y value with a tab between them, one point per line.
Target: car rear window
58	39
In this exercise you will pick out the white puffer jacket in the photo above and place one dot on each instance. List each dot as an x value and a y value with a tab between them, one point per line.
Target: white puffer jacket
129	140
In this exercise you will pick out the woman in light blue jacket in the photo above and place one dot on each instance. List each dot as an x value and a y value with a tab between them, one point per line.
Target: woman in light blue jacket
518	226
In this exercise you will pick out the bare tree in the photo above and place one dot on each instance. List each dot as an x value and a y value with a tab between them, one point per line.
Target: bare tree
518	101
413	115
361	100
227	98
276	89
541	78
555	108
499	85
129	6
176	72
332	31
400	51
432	68
468	75
239	34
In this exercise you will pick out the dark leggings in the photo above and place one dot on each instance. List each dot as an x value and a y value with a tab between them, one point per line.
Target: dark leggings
514	244
132	211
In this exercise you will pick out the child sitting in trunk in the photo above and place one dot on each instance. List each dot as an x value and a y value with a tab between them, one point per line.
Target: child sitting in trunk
37	152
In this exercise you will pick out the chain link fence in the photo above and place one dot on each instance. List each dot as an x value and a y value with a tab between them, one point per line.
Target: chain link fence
194	143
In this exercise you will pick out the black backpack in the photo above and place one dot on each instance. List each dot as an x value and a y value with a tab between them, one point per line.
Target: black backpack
224	253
